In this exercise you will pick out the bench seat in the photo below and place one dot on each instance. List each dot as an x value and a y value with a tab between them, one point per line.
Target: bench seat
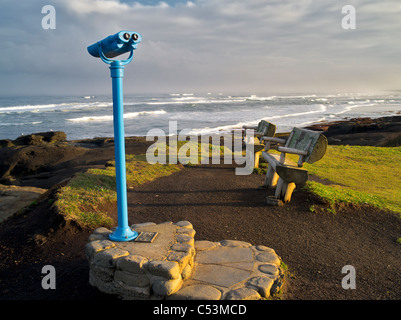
288	170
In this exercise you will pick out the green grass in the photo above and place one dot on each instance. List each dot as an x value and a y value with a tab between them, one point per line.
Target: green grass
360	175
88	196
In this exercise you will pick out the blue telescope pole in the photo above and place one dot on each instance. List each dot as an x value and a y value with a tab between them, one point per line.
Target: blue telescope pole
122	42
123	232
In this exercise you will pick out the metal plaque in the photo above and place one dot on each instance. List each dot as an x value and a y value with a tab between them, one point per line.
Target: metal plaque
146	236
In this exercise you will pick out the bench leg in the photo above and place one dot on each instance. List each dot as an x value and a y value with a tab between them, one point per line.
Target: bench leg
279	187
257	157
288	193
284	190
271	178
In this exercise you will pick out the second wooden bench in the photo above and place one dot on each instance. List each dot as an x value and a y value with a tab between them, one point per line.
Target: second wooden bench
263	129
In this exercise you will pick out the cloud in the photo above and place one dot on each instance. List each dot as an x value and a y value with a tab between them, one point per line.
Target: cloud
204	45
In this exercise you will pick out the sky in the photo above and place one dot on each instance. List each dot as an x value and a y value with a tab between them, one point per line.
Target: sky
229	46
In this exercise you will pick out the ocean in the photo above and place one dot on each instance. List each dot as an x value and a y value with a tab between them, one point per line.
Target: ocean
82	117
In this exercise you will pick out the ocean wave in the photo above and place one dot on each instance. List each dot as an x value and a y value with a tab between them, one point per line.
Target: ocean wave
54	106
226	128
257	98
254	97
29	107
348	108
321	108
110	117
194	101
20	123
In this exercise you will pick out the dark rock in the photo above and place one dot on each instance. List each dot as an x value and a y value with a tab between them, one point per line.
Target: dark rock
41	138
17	162
44	159
360	131
6	143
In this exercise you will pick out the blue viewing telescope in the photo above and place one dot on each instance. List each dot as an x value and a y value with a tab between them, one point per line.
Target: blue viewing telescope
115	45
112	46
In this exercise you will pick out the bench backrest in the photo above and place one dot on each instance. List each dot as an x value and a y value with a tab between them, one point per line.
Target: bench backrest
268	129
314	142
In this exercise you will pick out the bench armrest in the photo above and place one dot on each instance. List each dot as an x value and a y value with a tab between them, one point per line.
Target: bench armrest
274	139
258	133
293	151
271	139
249	127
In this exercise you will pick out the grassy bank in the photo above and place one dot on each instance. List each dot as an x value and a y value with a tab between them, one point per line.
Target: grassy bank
88	196
360	175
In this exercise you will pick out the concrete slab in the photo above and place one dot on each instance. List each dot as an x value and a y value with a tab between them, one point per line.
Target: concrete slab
219	275
225	255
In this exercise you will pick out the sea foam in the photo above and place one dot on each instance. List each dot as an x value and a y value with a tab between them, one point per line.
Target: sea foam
129	115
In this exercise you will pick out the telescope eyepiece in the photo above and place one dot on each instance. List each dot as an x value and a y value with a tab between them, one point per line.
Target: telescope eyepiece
116	44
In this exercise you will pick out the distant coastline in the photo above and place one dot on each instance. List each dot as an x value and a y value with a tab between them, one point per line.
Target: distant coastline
85	118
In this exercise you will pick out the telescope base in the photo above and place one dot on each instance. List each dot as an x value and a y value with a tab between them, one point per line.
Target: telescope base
123	234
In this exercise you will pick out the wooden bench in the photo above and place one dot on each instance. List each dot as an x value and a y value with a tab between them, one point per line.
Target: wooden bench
263	129
285	174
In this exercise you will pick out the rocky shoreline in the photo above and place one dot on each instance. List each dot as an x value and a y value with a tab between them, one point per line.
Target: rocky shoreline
45	159
378	132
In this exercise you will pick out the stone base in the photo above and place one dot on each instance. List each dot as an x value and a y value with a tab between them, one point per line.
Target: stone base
140	270
168	267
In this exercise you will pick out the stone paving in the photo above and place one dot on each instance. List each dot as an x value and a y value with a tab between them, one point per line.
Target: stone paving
232	270
175	266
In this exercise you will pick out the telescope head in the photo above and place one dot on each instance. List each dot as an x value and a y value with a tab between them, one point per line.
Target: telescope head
115	45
